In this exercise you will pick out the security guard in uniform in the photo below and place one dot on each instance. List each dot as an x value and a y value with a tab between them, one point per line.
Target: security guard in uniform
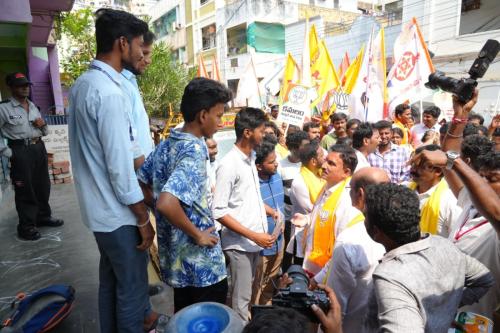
22	125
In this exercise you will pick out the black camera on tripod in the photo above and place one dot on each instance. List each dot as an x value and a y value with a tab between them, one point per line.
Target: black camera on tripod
297	296
464	88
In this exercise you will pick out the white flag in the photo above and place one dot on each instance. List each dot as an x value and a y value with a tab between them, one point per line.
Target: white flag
411	69
248	92
370	84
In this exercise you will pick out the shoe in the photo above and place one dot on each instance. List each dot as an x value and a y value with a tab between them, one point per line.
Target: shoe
30	233
50	222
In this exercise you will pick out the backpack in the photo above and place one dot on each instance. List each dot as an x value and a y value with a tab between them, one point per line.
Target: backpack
40	311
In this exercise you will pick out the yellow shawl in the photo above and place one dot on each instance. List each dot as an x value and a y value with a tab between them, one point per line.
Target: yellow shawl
429	214
324	227
314	183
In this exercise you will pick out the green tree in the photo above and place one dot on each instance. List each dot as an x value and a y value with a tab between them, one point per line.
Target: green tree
76	30
163	82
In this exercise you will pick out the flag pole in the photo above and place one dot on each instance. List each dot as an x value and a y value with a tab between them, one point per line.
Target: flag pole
421	108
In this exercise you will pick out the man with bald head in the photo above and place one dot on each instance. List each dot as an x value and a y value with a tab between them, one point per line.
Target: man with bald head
355	256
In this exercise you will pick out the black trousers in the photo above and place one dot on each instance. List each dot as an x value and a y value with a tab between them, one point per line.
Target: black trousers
187	296
30	176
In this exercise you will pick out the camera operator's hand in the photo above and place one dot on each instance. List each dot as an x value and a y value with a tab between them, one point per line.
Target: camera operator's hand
284	281
332	321
207	238
263	239
495	123
313	284
461	109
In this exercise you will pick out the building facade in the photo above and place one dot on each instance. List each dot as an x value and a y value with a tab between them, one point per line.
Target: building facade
455	32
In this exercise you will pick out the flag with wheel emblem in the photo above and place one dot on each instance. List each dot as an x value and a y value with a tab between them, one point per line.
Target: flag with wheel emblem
411	68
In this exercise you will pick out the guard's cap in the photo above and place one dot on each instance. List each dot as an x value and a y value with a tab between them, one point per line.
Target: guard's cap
16	79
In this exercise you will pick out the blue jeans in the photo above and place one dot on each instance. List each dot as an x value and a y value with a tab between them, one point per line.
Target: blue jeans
123	281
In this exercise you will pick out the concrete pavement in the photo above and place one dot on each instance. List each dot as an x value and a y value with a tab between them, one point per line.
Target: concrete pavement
66	255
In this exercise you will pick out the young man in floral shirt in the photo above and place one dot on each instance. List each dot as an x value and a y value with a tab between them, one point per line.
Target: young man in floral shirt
191	258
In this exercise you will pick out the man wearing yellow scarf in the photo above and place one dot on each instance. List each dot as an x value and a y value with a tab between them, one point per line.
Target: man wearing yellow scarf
402	117
438	205
304	192
332	211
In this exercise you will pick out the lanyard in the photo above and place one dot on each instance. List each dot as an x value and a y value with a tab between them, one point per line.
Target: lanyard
459	234
93	66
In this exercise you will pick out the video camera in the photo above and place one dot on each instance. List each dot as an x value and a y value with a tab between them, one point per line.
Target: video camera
297	296
464	88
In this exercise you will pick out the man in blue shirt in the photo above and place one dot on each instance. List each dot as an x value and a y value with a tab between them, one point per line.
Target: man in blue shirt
139	116
111	201
174	178
271	190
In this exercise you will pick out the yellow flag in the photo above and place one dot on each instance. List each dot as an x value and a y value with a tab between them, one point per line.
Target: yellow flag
352	72
290	75
323	74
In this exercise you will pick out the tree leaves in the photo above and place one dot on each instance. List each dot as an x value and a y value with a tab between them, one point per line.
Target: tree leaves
163	82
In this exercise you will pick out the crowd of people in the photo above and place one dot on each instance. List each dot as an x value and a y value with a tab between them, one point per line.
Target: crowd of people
399	225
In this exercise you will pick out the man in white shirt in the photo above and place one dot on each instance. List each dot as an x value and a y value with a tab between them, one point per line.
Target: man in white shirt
305	189
474	177
355	256
289	169
433	192
429	123
238	206
331	212
365	141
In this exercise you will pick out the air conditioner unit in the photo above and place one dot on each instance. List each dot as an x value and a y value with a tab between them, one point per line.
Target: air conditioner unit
176	26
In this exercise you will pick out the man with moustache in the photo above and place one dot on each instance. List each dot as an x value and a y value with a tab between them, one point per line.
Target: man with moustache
438	205
332	210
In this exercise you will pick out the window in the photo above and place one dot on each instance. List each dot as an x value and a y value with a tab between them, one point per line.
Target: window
165	24
208	37
234	62
202	2
470	5
479	16
237	40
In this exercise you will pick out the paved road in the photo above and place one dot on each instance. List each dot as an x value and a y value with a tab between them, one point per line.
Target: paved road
66	255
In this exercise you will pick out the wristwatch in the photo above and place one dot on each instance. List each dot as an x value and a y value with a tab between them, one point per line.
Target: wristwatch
451	156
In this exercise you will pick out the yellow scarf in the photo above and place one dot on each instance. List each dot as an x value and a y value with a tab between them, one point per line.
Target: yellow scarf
324	227
314	183
405	131
357	219
281	151
429	214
